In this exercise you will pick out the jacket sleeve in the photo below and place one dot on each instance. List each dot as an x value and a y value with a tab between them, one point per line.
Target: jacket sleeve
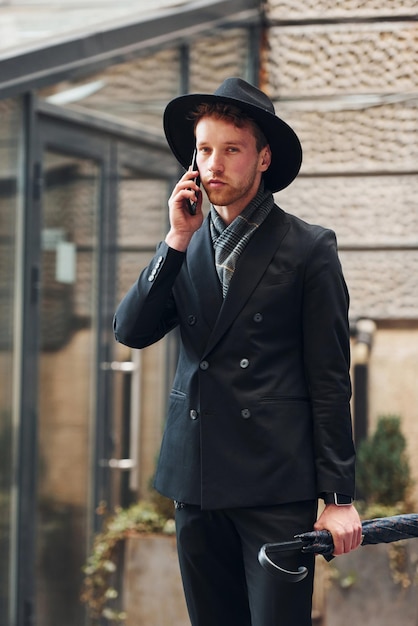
148	311
327	365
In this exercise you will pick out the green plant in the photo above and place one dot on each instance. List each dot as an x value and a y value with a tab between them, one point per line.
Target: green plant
383	471
99	592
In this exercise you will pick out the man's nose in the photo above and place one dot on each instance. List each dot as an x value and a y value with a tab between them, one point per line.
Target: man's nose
216	162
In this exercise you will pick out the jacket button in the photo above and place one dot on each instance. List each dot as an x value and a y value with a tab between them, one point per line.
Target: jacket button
204	365
191	320
244	363
245	413
193	414
258	317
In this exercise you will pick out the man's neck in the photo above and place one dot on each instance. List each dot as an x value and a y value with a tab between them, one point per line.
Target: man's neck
228	214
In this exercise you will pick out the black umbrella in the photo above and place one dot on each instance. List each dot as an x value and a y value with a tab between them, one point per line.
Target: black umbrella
380	530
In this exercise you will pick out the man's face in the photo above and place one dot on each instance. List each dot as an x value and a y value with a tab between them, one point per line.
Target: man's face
229	165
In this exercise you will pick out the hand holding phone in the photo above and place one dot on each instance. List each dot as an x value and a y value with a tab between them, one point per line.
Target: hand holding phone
193	205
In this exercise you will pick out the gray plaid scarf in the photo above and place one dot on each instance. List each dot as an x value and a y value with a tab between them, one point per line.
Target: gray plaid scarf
229	241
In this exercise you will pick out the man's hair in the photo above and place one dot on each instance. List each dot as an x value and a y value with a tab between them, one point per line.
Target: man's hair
231	113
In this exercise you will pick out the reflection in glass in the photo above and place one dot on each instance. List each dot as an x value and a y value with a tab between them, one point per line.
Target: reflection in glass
66	385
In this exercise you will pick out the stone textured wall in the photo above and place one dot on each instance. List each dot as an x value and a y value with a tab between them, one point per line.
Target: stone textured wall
348	87
329	9
343	74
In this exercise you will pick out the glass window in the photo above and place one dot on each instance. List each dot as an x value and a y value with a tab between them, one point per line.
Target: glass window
134	91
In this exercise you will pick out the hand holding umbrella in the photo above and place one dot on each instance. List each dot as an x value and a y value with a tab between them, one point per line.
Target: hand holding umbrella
344	524
380	530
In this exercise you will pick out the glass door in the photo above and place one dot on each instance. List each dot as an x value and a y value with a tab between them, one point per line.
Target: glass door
140	378
100	407
67	381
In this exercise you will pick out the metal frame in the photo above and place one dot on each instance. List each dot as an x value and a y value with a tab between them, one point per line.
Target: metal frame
25	480
40	66
102	124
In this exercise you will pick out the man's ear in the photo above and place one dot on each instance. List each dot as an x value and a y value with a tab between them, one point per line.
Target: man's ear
265	158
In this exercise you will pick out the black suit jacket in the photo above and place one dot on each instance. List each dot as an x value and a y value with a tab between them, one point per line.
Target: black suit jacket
259	410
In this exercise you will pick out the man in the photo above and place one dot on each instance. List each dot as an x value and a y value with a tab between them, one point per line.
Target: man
259	421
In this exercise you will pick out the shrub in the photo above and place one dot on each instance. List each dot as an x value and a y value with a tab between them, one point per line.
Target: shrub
99	592
383	471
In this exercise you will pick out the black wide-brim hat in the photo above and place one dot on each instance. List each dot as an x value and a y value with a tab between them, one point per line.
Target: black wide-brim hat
284	143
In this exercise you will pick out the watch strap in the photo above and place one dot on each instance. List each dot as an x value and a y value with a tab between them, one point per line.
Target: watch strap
339	499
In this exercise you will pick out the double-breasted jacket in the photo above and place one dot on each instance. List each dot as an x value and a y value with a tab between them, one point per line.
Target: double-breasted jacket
259	410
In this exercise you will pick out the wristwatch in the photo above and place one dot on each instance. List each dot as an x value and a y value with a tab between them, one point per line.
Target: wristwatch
337	498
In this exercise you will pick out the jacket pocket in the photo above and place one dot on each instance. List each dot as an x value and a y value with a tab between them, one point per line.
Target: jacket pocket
280	398
280	278
177	394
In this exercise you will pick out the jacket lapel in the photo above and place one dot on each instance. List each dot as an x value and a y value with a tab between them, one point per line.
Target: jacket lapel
201	267
250	268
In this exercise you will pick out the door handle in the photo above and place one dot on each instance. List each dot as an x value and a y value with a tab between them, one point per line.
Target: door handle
119	366
132	370
121	464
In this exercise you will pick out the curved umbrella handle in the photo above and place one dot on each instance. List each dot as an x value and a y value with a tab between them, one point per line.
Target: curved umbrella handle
280	572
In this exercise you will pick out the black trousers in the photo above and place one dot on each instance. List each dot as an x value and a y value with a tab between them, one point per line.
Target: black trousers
224	584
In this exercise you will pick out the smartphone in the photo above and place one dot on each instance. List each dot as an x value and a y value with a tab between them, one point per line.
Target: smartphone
193	205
